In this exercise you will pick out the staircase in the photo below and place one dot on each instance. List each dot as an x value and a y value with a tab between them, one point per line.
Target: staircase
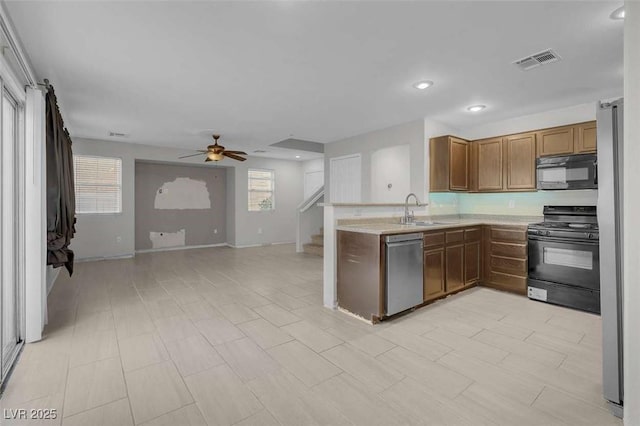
316	246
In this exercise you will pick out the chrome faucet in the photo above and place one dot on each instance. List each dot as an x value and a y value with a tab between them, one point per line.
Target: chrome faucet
409	217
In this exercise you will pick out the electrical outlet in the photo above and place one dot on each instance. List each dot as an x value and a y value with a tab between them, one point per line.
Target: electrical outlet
215	231
259	230
512	204
118	239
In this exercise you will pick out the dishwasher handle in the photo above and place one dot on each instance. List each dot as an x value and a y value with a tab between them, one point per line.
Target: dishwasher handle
400	238
405	243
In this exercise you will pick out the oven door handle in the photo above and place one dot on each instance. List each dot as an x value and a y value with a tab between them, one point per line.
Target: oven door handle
562	240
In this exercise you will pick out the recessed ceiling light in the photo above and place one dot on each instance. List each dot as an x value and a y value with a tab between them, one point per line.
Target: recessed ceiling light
476	108
297	156
618	13
424	84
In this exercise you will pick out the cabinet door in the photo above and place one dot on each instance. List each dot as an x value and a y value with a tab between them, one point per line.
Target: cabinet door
490	166
458	164
439	164
454	260
521	161
433	285
555	141
472	262
586	135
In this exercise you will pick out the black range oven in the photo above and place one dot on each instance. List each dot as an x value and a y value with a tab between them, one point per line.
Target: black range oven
564	260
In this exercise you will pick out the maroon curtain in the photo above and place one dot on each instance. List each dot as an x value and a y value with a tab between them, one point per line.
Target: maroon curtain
61	199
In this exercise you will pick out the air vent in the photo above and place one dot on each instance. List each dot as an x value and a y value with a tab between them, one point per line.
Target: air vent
259	151
118	135
541	58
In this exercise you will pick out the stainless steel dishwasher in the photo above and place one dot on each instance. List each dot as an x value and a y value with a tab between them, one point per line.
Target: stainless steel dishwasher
404	272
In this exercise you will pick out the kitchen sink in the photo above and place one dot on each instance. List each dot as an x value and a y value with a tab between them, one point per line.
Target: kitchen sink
430	223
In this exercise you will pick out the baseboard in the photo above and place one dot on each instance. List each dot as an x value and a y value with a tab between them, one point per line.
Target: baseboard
181	248
96	258
260	245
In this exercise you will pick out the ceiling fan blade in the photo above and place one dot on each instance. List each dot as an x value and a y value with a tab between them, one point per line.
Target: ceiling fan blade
237	152
193	155
207	159
234	156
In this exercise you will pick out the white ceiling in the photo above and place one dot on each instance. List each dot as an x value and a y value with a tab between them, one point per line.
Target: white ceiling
172	73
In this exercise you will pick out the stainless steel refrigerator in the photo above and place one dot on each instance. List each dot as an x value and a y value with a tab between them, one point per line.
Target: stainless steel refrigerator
610	224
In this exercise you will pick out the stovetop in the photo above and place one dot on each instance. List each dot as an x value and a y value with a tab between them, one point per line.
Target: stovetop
565	225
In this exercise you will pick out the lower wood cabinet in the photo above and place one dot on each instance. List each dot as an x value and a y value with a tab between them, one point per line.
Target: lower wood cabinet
454	260
433	285
506	259
472	256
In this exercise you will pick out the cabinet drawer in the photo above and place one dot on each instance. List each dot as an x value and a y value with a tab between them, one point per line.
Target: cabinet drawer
509	250
508	234
509	265
472	234
455	236
508	282
434	239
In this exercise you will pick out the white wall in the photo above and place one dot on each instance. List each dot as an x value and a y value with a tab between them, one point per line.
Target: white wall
631	214
552	118
390	176
97	235
276	226
411	134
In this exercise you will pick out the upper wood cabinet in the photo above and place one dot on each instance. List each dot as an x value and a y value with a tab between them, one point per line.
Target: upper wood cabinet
448	164
567	140
556	141
521	161
585	137
489	164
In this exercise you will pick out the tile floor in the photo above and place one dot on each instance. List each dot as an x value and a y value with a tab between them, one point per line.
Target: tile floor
240	337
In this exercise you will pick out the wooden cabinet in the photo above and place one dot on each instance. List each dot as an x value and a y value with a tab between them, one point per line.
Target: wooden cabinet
505	264
360	273
556	141
472	256
505	163
566	140
434	275
448	164
489	168
458	164
454	260
585	137
521	161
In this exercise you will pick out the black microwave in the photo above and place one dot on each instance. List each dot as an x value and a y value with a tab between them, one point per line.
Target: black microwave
579	171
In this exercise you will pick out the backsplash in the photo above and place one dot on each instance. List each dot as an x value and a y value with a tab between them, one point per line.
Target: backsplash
514	203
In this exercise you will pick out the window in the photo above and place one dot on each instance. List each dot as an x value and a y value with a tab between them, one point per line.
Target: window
261	188
98	182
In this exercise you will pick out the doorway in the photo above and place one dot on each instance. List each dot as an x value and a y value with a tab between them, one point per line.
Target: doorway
11	113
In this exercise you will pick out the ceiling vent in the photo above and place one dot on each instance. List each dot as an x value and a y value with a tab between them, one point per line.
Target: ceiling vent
546	57
117	135
259	151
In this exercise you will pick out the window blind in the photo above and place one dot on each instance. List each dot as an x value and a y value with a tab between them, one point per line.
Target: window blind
98	184
261	190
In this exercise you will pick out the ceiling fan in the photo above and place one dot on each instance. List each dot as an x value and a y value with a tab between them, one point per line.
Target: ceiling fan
217	152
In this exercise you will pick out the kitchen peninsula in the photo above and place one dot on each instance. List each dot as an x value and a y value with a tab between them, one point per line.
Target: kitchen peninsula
458	252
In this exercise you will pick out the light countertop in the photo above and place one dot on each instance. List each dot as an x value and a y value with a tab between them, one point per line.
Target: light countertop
397	228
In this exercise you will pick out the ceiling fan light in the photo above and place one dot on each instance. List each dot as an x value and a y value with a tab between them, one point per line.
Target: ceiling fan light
214	156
